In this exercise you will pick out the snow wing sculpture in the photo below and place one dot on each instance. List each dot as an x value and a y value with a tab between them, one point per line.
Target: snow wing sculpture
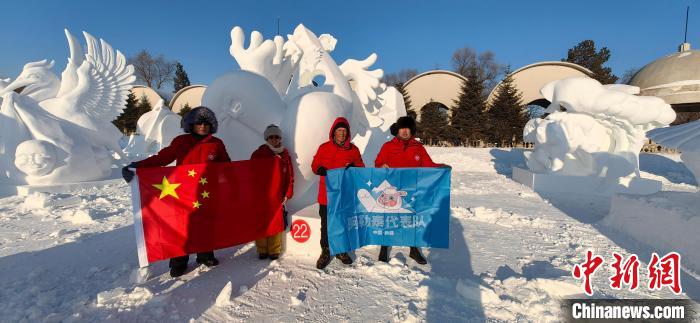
275	85
686	138
59	131
595	131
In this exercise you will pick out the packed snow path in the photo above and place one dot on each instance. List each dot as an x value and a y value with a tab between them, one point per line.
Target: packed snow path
510	258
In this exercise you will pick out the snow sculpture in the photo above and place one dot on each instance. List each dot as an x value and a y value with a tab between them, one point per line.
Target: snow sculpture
276	86
159	127
592	129
60	131
686	138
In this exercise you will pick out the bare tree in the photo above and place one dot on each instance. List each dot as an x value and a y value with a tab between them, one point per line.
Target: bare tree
485	63
153	72
629	74
401	77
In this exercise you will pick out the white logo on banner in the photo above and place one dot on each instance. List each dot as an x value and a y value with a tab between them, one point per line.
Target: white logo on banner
389	200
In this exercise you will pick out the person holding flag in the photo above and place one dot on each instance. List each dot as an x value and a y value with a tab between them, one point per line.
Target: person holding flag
337	152
404	151
196	146
272	148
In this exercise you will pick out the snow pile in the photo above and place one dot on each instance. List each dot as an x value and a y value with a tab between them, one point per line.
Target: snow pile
500	217
224	297
666	221
79	216
120	299
518	298
39	200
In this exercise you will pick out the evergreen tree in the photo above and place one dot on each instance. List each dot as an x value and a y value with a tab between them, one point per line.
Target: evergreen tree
585	54
126	122
506	117
127	115
468	113
180	80
185	110
406	99
433	125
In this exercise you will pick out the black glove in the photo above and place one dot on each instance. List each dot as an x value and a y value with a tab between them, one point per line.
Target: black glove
322	171
128	174
349	165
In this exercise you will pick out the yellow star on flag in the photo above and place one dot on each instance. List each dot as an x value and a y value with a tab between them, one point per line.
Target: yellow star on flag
191	173
196	204
166	188
205	194
203	181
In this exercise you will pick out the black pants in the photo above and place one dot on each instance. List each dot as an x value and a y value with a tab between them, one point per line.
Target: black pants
323	212
182	261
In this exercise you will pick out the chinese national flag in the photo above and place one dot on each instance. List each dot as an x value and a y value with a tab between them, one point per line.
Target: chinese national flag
201	207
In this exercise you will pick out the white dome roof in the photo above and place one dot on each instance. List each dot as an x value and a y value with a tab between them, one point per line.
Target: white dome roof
674	78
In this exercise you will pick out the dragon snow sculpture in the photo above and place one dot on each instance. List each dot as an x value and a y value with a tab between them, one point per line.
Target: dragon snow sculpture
592	129
57	131
275	85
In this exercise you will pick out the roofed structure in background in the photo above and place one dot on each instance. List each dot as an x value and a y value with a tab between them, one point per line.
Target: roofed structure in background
189	95
531	78
676	79
151	95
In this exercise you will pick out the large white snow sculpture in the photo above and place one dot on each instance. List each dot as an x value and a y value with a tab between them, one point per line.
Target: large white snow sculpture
593	130
686	138
275	86
60	131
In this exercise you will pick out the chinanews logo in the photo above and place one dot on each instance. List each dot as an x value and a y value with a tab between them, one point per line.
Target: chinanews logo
417	157
211	156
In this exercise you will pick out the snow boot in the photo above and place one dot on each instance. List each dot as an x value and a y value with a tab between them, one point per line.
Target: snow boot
344	258
209	262
178	271
274	257
415	255
262	256
384	254
324	259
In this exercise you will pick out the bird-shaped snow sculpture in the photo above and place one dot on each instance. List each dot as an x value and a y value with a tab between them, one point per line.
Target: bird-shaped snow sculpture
91	93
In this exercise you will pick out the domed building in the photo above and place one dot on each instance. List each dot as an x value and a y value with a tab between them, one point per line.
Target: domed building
675	78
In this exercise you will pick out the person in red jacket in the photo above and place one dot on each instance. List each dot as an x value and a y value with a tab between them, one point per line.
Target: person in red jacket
337	152
404	151
272	246
196	146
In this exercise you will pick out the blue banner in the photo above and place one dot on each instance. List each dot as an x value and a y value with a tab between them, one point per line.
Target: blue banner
388	207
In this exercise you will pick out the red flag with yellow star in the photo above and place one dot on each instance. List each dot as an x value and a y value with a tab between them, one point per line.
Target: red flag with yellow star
201	207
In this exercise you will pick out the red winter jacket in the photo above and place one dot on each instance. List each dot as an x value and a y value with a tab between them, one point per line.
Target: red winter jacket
186	149
287	170
397	153
330	156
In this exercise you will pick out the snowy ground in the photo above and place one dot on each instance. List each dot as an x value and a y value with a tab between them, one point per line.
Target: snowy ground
510	258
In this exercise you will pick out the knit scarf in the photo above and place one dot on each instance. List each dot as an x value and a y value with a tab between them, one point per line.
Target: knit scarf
277	151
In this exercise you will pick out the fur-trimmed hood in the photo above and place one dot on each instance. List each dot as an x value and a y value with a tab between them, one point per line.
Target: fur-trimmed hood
199	114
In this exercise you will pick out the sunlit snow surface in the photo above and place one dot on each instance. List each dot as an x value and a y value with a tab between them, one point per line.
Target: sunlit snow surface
510	257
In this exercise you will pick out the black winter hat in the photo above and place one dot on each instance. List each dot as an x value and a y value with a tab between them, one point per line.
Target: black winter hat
197	115
403	122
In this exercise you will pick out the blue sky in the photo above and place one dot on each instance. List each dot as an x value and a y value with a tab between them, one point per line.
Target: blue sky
405	34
